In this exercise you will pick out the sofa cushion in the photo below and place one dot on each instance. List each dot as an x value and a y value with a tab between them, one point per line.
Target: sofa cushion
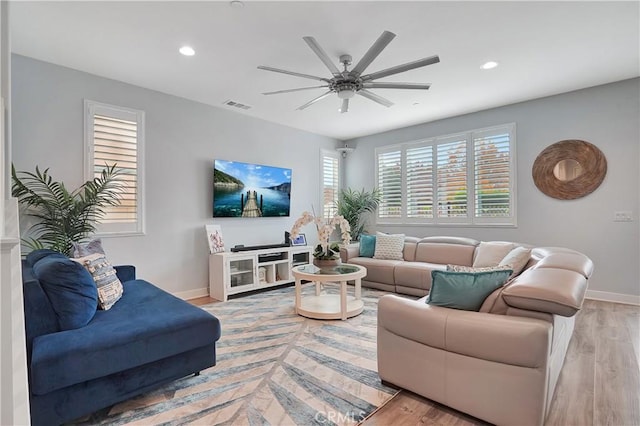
389	246
517	259
378	270
70	289
410	245
415	274
367	245
146	325
109	286
491	253
443	253
36	255
464	290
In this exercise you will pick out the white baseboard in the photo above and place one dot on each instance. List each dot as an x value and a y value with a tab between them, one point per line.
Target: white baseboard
628	299
192	294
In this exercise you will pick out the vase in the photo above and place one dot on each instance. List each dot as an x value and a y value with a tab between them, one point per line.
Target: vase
326	263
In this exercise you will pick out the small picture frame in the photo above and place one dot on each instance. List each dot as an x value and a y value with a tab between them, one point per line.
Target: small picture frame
214	238
300	240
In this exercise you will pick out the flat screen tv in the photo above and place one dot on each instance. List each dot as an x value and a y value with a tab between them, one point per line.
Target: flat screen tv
250	190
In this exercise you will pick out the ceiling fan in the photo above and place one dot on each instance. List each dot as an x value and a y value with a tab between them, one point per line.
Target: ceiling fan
347	83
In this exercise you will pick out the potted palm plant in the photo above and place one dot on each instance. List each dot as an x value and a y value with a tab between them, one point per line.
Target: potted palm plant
355	205
63	217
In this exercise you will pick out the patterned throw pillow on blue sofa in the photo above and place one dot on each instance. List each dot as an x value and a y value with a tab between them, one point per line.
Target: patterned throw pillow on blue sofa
85	249
109	286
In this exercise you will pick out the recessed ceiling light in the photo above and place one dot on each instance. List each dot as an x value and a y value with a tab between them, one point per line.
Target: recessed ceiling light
187	51
489	65
236	4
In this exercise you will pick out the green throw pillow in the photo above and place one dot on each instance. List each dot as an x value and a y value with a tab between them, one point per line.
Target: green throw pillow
367	245
464	290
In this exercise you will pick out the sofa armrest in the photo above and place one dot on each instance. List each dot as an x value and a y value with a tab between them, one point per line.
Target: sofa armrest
349	252
125	272
556	291
509	340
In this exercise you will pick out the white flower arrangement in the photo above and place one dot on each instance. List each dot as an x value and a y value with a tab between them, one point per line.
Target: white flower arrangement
325	228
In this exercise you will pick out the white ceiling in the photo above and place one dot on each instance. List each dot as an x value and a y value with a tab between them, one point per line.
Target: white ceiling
543	48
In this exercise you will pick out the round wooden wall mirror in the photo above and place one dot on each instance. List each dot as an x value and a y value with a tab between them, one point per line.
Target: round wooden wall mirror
569	169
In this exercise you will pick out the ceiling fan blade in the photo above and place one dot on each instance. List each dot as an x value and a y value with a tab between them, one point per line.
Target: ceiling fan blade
402	68
372	85
292	90
297	74
373	52
313	101
375	98
313	44
345	106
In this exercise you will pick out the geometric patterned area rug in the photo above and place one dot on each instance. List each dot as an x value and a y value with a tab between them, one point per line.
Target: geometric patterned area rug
273	368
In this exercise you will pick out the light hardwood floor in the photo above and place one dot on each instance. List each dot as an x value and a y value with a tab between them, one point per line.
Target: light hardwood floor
599	383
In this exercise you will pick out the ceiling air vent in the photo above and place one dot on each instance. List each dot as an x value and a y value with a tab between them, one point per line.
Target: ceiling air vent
235	104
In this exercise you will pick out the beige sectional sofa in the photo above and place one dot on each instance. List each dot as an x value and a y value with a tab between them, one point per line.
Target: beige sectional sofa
500	364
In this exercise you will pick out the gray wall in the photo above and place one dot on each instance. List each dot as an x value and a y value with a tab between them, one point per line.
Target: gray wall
182	140
607	116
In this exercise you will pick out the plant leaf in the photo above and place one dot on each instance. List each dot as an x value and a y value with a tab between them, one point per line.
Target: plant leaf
64	217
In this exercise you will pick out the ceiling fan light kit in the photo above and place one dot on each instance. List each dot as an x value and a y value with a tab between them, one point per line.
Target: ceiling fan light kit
346	84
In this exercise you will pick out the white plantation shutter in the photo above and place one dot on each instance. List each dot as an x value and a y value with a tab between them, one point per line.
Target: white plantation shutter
115	142
389	183
115	136
452	178
467	179
330	181
494	173
420	182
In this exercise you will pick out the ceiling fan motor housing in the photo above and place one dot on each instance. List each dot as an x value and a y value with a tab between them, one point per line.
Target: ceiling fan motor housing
345	88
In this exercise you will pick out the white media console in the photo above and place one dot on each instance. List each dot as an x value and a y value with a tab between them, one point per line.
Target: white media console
238	272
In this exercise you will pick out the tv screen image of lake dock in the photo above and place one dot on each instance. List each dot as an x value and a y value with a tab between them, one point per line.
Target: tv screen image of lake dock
250	190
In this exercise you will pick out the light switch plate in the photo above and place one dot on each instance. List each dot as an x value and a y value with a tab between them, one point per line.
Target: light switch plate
623	216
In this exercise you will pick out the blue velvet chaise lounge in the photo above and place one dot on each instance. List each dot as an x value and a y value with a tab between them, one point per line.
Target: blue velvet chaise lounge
146	339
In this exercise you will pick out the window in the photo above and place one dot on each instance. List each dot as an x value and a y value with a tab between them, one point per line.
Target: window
329	181
419	182
116	135
493	174
390	184
466	178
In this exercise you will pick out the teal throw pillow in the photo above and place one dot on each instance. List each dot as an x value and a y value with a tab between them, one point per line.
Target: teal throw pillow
464	290
367	245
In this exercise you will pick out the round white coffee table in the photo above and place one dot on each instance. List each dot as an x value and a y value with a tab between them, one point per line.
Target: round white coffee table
329	306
